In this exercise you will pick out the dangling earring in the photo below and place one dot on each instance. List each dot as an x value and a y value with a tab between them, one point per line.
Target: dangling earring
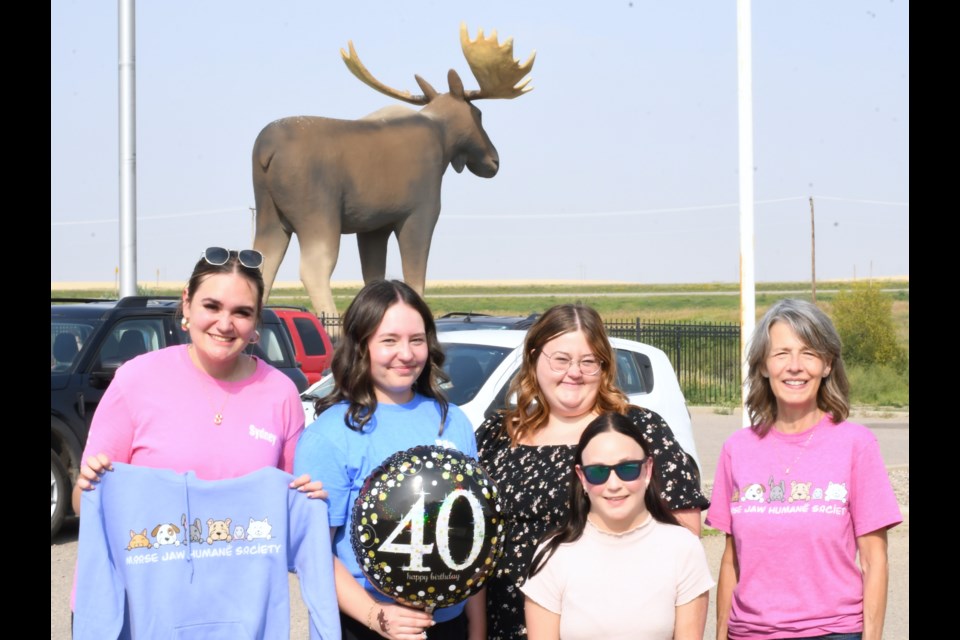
256	337
184	324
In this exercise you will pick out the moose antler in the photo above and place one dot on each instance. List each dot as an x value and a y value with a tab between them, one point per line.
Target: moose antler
352	60
498	73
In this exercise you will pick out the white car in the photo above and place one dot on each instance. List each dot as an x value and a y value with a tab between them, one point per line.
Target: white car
481	363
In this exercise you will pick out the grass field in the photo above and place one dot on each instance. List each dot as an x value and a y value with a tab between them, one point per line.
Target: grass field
710	302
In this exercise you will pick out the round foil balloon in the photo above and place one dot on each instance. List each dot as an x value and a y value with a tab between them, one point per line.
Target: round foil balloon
427	527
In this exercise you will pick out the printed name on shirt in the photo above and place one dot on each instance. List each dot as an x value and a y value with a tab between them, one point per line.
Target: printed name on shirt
262	434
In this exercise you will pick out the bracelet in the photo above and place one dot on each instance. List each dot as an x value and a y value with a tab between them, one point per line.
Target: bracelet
370	616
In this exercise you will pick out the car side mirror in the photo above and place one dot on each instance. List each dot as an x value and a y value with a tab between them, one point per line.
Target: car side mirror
101	377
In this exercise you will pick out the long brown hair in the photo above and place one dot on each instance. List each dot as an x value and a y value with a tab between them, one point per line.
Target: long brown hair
532	412
351	358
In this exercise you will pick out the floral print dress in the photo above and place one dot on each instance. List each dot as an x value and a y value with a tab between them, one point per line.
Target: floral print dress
533	482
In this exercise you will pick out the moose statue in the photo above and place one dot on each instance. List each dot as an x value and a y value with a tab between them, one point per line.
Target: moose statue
379	175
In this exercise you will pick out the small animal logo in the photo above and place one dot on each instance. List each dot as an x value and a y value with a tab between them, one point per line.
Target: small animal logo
799	490
753	492
239	533
836	491
138	540
777	491
166	534
219	531
196	530
818	494
259	529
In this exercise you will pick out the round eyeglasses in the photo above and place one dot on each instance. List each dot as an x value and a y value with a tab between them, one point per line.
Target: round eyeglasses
561	362
217	256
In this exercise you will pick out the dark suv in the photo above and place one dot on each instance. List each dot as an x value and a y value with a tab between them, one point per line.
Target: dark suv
460	321
89	340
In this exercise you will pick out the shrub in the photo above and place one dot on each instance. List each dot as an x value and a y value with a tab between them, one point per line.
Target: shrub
879	386
863	316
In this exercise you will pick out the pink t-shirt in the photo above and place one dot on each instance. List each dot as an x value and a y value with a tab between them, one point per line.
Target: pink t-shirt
796	531
158	412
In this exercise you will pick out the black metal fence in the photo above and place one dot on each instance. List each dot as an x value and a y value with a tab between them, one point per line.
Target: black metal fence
705	355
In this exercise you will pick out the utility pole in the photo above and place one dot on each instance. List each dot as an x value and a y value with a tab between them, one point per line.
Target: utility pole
253	225
813	253
748	297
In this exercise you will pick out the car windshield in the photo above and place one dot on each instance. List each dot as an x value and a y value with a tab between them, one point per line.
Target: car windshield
468	366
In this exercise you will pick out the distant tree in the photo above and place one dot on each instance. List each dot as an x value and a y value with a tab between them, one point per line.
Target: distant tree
863	316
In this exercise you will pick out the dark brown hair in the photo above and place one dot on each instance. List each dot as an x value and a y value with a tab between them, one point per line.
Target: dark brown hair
351	358
572	528
203	270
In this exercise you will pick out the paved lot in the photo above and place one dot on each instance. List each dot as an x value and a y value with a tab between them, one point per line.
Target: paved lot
710	431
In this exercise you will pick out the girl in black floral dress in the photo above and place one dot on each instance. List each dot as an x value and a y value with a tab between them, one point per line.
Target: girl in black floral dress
567	378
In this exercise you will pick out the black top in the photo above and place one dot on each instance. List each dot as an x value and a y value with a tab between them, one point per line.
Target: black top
533	482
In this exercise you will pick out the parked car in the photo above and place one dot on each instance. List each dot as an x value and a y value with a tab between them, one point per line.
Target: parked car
311	343
317	390
89	340
482	363
460	321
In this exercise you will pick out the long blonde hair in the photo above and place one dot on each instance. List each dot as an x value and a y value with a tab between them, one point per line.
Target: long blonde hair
532	412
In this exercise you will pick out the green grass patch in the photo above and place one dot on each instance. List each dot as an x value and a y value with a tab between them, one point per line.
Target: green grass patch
880	386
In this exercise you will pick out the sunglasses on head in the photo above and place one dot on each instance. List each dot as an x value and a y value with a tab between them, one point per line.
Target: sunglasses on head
250	258
627	471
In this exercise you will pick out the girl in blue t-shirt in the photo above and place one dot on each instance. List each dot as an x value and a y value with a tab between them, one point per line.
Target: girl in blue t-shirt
386	398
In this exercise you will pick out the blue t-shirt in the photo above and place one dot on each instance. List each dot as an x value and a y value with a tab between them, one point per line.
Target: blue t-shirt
343	458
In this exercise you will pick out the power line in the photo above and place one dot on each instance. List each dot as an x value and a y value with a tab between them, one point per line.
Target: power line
525	216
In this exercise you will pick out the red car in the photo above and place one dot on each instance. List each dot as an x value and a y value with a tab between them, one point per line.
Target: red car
311	343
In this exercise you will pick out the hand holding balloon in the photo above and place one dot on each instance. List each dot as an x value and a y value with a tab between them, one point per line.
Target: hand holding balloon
427	527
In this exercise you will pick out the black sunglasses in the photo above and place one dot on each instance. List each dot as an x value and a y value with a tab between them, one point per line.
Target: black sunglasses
250	258
627	471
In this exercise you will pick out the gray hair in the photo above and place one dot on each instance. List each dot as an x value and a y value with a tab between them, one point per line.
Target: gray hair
815	330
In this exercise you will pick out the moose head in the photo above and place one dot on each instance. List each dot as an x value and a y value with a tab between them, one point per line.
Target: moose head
499	76
379	175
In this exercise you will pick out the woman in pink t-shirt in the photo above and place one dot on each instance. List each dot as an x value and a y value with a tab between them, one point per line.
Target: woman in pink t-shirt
206	406
800	494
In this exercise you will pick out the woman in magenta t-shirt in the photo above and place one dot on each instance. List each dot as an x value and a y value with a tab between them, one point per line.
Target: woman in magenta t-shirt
800	494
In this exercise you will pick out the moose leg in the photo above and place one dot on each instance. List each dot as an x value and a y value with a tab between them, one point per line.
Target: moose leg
373	253
271	239
414	237
319	250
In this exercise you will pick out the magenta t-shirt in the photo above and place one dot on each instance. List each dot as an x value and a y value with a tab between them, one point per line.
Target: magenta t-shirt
795	505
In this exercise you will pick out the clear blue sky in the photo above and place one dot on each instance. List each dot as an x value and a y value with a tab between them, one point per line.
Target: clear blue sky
621	164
